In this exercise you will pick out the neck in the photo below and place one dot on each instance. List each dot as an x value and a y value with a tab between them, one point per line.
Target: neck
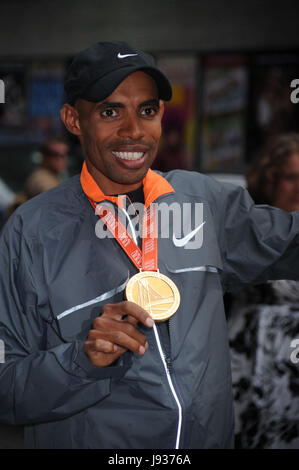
108	186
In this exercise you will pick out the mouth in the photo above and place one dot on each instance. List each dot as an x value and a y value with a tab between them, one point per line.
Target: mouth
130	156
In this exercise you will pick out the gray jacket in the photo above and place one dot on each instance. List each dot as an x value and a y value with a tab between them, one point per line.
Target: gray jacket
55	275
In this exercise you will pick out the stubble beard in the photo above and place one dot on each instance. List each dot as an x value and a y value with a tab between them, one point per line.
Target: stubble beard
95	154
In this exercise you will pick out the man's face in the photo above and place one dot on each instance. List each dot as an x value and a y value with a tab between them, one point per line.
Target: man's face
57	161
120	135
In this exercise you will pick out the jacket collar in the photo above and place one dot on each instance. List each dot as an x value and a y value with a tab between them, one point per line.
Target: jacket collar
154	186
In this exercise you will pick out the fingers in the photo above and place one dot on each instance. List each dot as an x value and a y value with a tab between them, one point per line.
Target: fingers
116	332
102	353
121	333
100	345
134	313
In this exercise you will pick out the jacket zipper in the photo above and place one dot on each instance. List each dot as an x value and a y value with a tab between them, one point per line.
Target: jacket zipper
166	361
131	226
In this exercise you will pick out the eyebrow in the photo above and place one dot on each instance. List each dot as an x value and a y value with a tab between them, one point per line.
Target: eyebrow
153	102
115	104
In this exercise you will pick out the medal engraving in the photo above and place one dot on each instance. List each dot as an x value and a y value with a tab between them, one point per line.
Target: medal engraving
154	292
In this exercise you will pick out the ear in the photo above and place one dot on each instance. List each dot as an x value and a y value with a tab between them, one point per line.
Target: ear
70	117
162	108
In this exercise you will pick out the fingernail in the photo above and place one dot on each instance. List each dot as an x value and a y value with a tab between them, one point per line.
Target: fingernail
146	345
141	350
149	322
115	348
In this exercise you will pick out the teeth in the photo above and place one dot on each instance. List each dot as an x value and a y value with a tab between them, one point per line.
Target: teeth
128	155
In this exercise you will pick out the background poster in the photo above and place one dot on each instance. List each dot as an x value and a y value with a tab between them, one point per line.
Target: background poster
33	98
31	113
272	111
13	112
45	97
224	106
177	143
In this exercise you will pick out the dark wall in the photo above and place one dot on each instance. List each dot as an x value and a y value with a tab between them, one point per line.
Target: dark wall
63	27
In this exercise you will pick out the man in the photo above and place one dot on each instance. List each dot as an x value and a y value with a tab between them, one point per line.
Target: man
47	175
54	153
85	368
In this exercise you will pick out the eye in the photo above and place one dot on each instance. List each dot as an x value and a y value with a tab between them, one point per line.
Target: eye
149	111
290	177
109	112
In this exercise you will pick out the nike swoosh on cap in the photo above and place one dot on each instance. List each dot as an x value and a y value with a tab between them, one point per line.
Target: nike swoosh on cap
123	56
179	242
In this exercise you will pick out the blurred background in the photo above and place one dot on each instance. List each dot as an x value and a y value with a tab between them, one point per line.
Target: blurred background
231	65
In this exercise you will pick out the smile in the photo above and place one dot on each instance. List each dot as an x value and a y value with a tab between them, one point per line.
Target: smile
129	155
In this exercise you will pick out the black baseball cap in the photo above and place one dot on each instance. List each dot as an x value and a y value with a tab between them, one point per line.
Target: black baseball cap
96	71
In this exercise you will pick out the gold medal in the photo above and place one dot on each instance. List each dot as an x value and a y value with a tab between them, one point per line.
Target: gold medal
154	292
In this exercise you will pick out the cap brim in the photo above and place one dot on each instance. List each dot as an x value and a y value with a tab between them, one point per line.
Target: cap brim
103	87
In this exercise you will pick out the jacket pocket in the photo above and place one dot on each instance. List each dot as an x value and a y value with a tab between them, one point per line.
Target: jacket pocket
75	322
207	269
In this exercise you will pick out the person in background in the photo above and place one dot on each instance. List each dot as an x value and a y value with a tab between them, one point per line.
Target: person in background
263	321
49	173
172	154
54	160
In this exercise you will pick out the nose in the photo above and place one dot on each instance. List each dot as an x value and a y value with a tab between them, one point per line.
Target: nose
131	127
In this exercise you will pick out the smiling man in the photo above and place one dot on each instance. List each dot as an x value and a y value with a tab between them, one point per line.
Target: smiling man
119	135
118	340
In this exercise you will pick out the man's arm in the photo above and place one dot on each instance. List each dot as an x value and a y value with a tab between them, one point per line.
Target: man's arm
38	383
258	242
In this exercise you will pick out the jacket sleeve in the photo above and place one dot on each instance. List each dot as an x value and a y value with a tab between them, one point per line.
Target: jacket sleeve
39	384
258	242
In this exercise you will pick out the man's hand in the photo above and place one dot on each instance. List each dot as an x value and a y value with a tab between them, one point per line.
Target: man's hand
115	332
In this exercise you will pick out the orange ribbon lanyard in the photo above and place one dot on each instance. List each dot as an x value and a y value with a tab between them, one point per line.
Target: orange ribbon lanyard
145	260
